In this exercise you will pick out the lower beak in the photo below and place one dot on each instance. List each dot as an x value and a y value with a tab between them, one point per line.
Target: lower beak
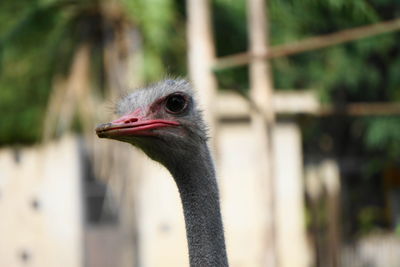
139	127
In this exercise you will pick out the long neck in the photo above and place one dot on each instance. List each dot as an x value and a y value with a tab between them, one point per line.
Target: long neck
195	178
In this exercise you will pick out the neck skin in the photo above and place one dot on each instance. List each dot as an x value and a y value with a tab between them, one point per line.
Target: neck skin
195	178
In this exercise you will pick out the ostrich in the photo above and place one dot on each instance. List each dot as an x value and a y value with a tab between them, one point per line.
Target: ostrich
164	121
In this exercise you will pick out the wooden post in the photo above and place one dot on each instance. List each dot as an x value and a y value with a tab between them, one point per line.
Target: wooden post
201	56
331	178
312	43
261	90
291	237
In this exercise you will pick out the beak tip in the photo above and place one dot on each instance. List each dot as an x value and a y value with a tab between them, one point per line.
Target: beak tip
101	135
100	128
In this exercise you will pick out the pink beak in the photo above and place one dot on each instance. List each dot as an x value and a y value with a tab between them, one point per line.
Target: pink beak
132	125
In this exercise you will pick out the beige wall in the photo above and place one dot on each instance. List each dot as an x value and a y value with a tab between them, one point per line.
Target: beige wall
52	233
41	207
243	205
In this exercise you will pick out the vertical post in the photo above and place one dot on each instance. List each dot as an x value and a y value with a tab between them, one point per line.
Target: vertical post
314	189
291	236
260	75
261	91
331	177
201	56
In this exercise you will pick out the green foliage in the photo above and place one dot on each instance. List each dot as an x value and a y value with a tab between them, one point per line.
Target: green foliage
329	70
39	42
163	36
38	39
397	229
383	135
360	71
26	70
368	218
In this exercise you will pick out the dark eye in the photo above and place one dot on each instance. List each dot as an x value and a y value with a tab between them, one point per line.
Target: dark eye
176	103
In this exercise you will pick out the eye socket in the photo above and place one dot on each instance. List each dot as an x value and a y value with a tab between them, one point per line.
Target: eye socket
176	103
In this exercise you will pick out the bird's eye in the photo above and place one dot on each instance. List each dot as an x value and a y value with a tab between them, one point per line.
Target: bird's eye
176	103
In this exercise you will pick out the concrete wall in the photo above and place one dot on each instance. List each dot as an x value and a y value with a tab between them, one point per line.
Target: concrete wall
41	206
243	192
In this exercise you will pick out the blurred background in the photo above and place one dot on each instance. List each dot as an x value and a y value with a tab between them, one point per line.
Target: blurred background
302	99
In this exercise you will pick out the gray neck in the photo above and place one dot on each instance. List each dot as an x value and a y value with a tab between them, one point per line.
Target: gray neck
195	178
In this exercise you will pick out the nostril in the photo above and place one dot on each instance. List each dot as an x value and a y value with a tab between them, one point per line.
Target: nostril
130	120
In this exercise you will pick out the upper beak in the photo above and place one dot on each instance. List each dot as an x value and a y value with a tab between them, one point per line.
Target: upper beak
131	125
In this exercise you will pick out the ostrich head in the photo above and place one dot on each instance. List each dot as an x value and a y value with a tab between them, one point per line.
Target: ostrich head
162	120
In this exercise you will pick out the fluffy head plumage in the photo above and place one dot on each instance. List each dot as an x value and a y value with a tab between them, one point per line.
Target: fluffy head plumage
166	143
